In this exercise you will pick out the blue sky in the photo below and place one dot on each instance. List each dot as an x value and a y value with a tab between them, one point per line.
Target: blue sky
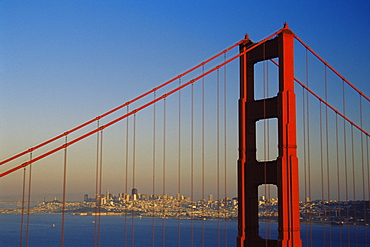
64	62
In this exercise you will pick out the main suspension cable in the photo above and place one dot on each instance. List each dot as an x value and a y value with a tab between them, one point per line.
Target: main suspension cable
124	105
128	114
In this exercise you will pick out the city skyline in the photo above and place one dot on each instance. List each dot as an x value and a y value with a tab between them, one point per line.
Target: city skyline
62	68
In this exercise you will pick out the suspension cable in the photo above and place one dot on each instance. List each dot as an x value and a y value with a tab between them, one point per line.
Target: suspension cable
305	158
363	171
338	174
128	114
100	183
327	150
179	170
97	195
133	184
308	146
22	217
218	158
225	156
354	184
331	68
264	131
64	190
29	201
192	164
164	172
345	159
154	164
126	180
322	175
266	142
327	104
125	104
203	162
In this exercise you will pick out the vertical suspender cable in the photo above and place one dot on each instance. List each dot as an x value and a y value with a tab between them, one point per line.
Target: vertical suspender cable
100	181
309	158
126	181
154	162
327	151
164	172
354	184
345	162
97	196
322	177
363	172
22	217
64	191
368	173
192	163
29	201
203	163
133	184
218	158
305	159
264	129
225	158
179	170
338	176
268	235
308	149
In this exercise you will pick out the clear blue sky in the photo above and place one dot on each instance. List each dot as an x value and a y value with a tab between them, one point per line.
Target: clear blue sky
64	62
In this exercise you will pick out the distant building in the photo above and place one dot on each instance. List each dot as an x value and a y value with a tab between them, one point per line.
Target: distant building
134	191
210	198
86	197
143	196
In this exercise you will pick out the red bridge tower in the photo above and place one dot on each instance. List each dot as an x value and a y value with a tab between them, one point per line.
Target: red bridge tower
282	172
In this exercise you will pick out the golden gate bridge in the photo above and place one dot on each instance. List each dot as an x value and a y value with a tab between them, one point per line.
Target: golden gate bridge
299	132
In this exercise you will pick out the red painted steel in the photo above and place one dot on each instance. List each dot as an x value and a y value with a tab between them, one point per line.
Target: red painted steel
331	68
327	104
282	172
117	108
122	117
288	186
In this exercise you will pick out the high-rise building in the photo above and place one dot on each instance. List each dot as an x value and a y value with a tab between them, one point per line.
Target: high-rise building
86	197
134	191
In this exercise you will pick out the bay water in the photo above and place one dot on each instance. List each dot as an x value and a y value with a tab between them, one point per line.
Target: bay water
45	230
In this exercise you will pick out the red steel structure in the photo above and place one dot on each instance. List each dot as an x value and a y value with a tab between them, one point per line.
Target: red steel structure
282	172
